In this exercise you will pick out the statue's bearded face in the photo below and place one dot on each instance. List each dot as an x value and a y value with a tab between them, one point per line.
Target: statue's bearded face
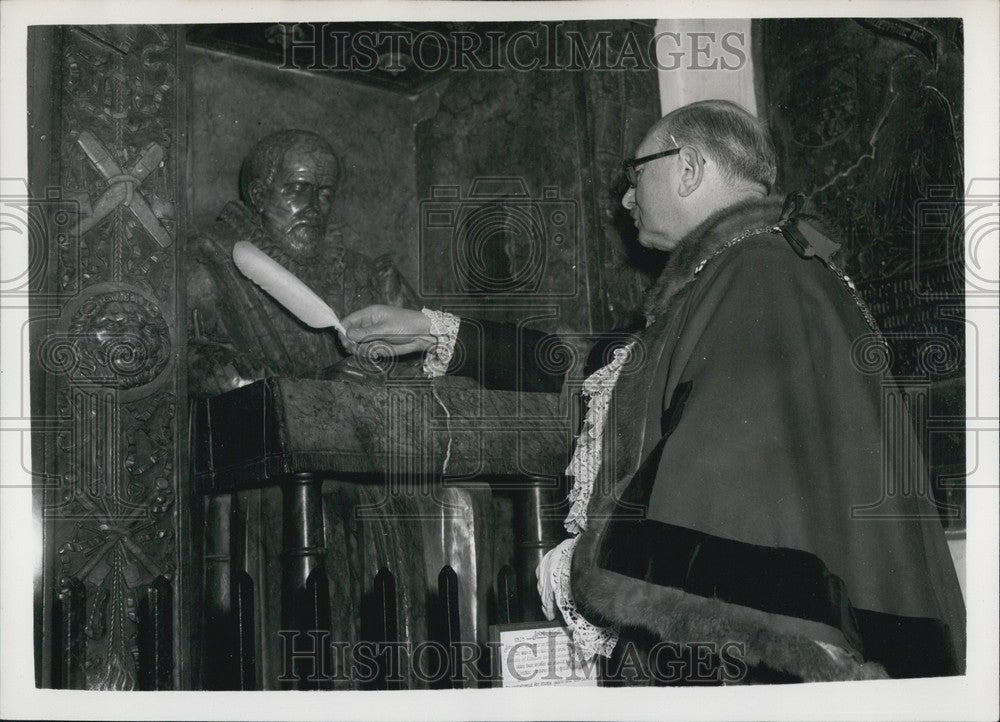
295	207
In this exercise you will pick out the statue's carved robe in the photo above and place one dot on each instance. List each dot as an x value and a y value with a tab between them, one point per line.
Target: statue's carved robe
238	333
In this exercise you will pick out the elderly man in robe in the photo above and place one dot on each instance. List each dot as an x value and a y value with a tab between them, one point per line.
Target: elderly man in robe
744	443
236	332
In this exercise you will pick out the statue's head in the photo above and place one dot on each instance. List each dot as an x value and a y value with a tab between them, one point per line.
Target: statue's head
289	180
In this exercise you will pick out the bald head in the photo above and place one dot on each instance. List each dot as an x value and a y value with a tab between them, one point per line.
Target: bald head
737	141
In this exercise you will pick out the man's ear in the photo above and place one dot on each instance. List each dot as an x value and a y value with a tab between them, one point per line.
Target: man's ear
692	170
256	192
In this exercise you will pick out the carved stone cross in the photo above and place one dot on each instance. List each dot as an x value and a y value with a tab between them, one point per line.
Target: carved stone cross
123	188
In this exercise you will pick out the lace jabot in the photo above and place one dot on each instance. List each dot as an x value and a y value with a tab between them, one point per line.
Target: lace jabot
584	466
585	463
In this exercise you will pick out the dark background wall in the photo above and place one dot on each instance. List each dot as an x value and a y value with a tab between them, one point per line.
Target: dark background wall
867	116
558	133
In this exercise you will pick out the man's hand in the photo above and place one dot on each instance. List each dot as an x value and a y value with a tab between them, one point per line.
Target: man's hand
386	331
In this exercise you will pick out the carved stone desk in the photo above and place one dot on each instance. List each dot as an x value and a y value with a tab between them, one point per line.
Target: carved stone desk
405	437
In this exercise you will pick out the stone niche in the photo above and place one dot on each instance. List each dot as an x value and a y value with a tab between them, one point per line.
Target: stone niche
236	100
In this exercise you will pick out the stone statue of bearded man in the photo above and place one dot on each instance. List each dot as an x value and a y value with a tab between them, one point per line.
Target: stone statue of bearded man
236	332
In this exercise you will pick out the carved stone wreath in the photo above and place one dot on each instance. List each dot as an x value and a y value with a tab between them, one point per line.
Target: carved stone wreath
115	339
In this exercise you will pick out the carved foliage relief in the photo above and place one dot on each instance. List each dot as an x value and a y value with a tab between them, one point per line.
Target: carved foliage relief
111	354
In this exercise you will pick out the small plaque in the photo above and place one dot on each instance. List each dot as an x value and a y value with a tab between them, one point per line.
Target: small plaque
538	654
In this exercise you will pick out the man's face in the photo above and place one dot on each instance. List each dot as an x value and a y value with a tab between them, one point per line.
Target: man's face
295	207
653	203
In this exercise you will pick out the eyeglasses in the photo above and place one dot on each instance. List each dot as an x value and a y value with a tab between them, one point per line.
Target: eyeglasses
630	165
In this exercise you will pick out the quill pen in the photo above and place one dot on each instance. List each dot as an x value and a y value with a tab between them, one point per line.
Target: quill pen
284	287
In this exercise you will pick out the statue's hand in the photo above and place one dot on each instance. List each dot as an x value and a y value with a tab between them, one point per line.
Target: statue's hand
354	369
380	331
362	370
214	368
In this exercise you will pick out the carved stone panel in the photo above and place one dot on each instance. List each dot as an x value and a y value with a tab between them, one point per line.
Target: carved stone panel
110	353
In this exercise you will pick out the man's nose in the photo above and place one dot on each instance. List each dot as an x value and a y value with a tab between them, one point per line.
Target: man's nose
628	200
312	201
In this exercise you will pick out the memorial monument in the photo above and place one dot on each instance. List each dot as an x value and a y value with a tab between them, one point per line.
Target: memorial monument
236	332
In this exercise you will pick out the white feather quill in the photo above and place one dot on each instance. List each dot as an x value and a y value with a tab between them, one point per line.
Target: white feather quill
284	286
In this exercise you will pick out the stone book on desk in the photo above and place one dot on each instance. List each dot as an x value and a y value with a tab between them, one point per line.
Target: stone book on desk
254	435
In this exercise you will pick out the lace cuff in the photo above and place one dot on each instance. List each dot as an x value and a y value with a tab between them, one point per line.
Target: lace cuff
444	326
588	639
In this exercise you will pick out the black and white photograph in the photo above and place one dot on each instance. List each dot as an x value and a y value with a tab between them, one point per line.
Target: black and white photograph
494	360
